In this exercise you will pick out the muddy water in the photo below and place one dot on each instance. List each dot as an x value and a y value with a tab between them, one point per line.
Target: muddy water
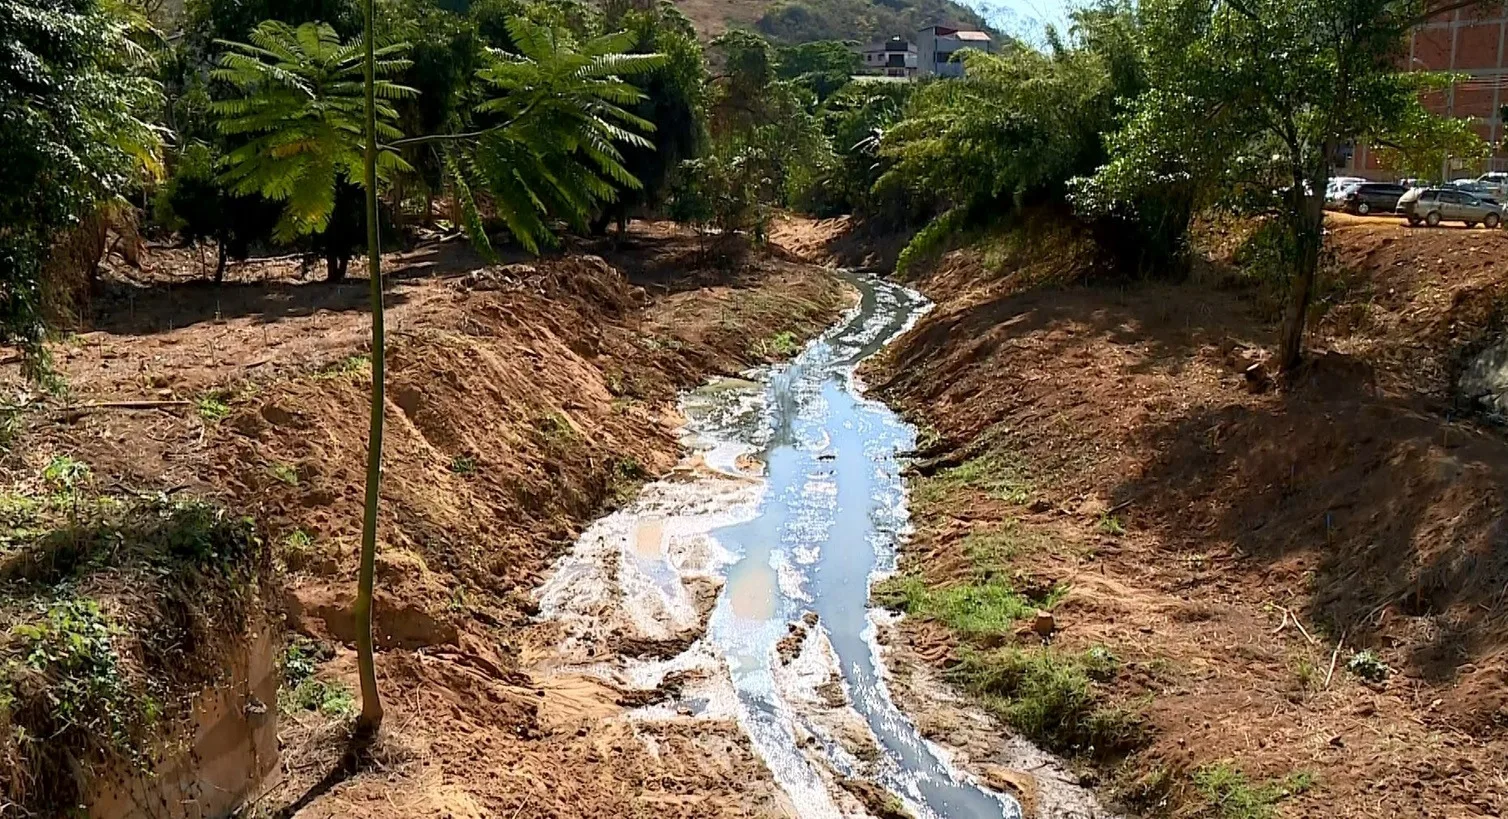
794	504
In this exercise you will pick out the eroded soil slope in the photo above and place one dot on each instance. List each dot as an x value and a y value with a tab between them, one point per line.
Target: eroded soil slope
1291	599
522	401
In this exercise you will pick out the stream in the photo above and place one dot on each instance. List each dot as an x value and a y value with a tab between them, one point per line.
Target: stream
792	504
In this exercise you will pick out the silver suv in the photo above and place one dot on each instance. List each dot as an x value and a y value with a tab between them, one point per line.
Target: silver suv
1435	205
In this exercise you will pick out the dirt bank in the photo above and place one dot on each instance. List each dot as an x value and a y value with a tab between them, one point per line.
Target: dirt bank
1263	600
523	400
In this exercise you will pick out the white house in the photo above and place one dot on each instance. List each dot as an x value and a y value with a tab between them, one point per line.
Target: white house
936	46
894	57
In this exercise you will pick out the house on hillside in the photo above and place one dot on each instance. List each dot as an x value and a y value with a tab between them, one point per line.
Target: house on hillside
895	57
936	47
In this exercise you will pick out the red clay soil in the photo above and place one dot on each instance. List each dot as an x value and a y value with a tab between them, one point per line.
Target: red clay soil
1268	534
523	400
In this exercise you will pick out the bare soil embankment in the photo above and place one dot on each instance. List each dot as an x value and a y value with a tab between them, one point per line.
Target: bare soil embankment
1264	600
522	401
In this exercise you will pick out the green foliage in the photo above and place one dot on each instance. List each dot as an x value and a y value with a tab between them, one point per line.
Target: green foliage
463	465
780	345
71	650
1051	698
855	120
75	97
1111	525
556	113
1419	143
212	406
674	102
300	104
1368	666
1231	796
987	609
181	580
66	472
284	473
345	368
766	143
302	691
1246	104
800	21
821	67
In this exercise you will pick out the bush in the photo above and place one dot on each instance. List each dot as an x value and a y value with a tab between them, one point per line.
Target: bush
1051	698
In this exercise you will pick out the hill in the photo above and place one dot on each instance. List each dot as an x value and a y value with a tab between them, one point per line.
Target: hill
801	21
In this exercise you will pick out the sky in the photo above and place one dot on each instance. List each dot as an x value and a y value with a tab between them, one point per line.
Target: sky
1026	19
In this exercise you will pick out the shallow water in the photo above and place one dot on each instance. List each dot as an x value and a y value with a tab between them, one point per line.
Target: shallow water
791	502
832	511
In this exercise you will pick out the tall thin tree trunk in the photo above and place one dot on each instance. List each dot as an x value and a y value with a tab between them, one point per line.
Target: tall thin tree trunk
371	705
1308	236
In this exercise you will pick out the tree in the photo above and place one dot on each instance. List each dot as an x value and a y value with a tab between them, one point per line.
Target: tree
75	92
1250	100
553	121
1011	133
674	101
299	103
823	66
366	661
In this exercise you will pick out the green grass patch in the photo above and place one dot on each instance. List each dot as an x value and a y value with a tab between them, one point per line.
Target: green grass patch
1111	525
992	550
463	465
1230	795
1051	697
556	429
996	474
972	609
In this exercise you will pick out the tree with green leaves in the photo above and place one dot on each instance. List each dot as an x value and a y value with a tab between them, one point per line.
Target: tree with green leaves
76	99
552	123
299	103
1250	101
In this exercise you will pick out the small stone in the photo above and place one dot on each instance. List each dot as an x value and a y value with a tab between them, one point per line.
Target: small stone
1041	505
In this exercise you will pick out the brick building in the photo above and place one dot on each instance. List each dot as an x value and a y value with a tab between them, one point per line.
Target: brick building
1474	42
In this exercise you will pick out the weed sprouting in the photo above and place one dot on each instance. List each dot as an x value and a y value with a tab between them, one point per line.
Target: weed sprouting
1111	525
1368	666
1232	796
65	473
284	473
345	368
212	406
463	465
556	429
302	691
780	345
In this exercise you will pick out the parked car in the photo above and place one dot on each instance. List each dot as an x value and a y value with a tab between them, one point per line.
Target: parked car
1472	186
1496	182
1337	188
1373	197
1435	205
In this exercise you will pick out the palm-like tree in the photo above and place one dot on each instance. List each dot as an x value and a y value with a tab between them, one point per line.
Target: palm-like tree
558	116
301	109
